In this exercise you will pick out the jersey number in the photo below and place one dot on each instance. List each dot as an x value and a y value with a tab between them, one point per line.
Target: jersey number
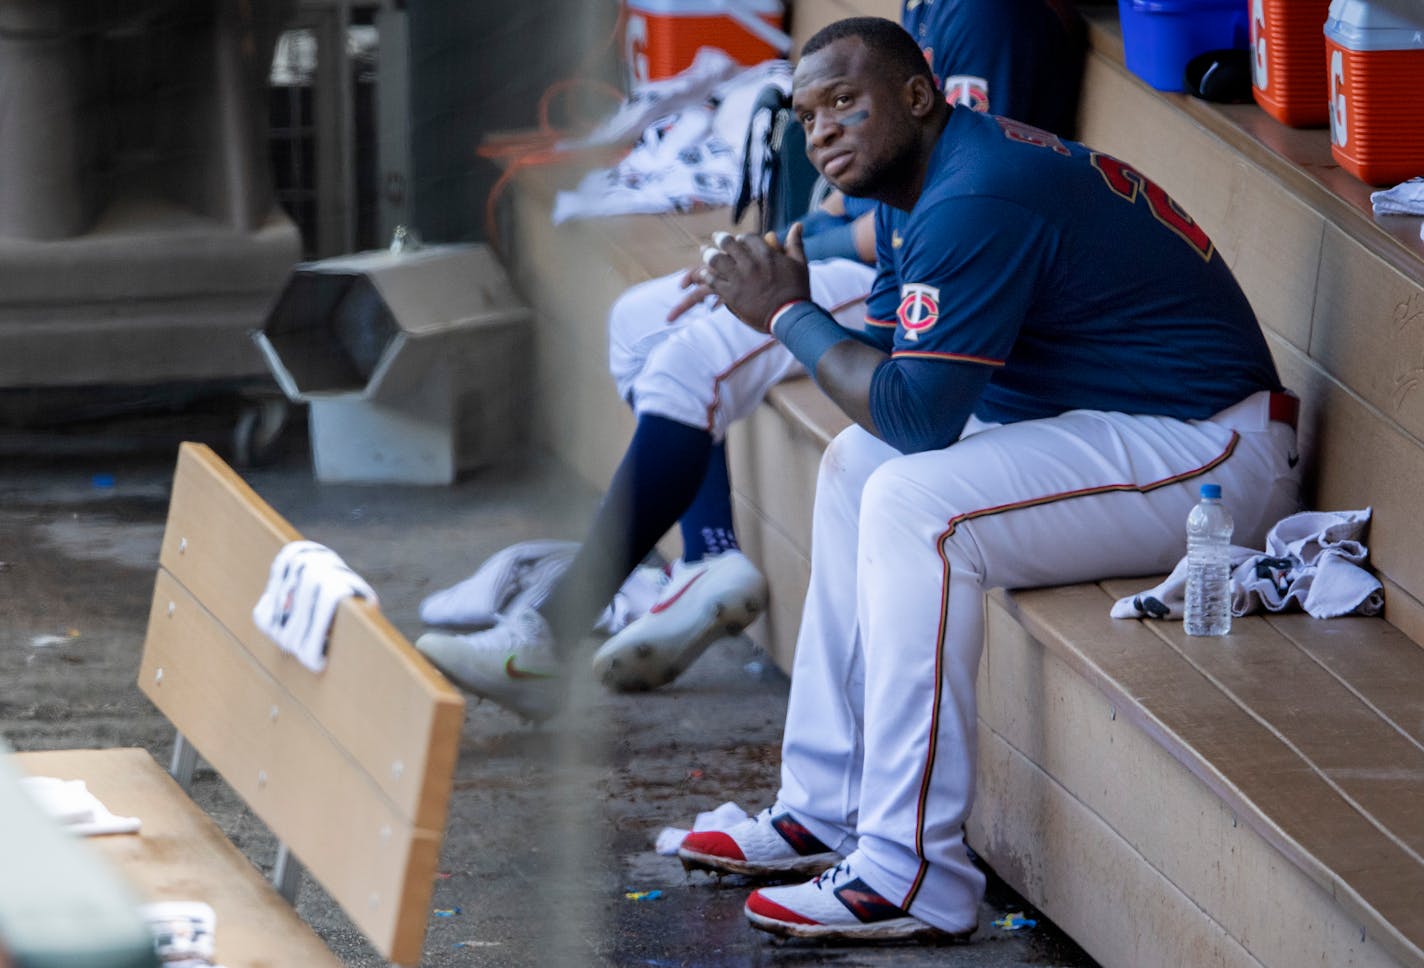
1127	181
1029	135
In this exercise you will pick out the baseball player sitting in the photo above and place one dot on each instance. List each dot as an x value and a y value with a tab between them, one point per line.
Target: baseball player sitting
1057	358
689	369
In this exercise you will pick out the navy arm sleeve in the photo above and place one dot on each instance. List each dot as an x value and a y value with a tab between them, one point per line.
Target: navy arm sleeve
921	405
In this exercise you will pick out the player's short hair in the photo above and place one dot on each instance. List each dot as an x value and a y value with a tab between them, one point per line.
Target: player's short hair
891	45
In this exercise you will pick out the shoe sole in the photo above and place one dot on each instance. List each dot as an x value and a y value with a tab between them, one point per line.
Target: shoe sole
895	929
804	867
640	666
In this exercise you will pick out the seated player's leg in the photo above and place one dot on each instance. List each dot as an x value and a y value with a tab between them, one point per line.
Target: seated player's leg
814	814
638	322
711	370
709	373
658	479
1075	498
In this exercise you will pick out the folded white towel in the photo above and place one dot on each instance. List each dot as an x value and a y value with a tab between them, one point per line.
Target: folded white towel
1313	561
306	583
71	804
725	817
1406	198
182	932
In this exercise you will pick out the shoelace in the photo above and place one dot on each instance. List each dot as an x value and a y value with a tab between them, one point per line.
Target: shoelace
832	875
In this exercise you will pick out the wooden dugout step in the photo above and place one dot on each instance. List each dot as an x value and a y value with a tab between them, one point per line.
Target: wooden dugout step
1262	791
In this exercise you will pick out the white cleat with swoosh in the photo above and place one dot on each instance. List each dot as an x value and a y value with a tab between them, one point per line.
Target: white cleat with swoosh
703	601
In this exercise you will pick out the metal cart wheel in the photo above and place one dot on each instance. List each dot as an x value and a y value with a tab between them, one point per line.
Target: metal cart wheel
257	436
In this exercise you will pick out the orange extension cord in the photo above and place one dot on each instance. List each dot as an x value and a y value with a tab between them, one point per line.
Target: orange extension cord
528	149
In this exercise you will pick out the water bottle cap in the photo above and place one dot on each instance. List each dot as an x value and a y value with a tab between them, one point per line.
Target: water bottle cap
1211	492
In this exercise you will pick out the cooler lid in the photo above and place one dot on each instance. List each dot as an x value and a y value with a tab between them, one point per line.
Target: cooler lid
706	8
1362	25
1185	6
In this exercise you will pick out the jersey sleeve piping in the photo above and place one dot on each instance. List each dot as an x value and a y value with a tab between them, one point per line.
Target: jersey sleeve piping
957	357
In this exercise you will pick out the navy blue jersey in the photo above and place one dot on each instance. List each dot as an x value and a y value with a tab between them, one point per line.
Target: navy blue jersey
1065	278
1020	58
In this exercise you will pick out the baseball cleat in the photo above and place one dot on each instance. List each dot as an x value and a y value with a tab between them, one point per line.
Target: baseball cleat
838	906
512	664
773	844
702	601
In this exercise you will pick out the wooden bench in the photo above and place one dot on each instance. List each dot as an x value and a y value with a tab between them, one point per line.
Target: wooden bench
61	906
350	768
1257	800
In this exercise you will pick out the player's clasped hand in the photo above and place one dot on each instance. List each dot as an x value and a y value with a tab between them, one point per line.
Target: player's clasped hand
753	276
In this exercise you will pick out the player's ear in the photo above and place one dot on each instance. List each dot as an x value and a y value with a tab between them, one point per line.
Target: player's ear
921	96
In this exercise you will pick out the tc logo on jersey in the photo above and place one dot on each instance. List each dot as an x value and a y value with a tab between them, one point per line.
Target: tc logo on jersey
968	90
919	308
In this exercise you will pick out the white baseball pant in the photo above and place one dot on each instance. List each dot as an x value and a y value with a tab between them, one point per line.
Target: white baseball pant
879	750
705	368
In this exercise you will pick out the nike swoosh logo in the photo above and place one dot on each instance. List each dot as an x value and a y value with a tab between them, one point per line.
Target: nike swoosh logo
514	672
667	603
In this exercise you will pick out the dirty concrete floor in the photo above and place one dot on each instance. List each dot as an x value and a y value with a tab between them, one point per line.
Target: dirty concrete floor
549	828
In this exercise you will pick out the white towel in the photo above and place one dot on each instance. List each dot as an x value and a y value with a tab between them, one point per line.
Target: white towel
1313	561
1403	199
306	583
76	809
688	159
725	817
655	99
182	932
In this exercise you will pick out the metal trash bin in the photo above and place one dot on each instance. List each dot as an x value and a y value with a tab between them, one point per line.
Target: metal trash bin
415	364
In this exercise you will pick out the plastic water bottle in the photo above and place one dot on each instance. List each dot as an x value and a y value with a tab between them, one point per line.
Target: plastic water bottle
1208	609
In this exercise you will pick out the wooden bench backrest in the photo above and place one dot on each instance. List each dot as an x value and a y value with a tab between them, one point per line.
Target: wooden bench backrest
352	767
1344	317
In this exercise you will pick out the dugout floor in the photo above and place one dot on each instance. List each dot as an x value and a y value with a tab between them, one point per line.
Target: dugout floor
550	828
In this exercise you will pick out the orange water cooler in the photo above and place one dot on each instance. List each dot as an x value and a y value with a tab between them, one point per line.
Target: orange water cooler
1375	70
662	36
1288	76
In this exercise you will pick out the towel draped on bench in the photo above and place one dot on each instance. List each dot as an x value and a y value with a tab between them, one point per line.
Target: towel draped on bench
1313	561
306	583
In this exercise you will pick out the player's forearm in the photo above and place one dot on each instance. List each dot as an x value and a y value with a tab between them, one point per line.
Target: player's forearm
844	375
841	365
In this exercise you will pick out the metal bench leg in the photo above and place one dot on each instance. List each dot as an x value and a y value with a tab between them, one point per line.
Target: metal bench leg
287	874
185	761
